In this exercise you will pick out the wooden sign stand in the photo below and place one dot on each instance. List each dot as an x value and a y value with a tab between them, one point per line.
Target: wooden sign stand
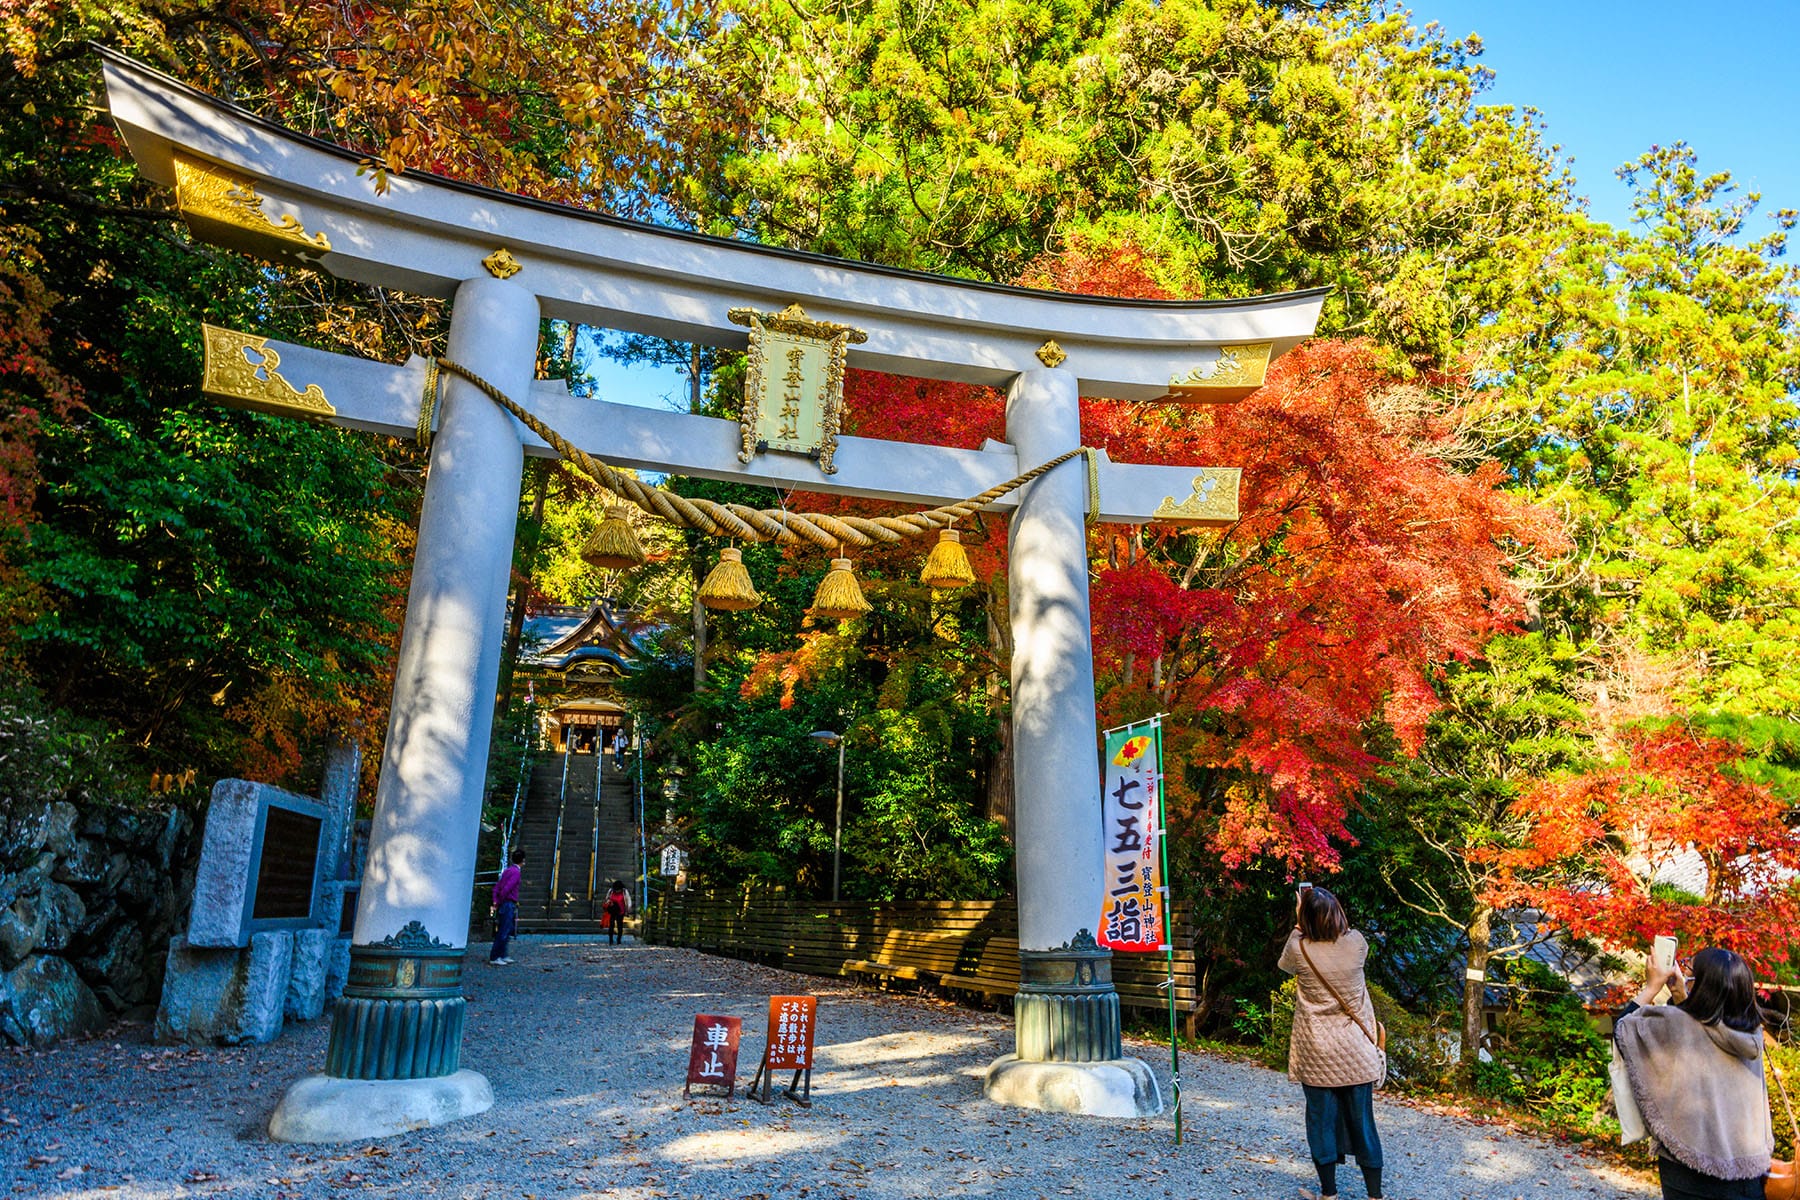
802	1081
789	1046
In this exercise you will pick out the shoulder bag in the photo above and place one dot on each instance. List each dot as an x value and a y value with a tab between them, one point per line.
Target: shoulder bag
1782	1182
1631	1117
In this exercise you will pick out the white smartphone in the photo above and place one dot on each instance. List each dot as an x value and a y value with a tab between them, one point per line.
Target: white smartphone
1662	953
1306	887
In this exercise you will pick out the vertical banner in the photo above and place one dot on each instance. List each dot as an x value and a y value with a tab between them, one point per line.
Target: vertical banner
1131	914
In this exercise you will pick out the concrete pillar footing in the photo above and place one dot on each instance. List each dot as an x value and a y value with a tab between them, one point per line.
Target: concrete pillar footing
1120	1087
324	1108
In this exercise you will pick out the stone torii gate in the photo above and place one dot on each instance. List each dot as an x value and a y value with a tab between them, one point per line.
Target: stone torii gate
242	182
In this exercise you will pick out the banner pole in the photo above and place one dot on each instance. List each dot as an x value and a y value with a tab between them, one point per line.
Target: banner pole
1156	826
1168	922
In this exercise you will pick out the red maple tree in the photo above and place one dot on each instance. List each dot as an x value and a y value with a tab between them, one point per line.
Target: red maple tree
1669	839
1362	561
1364	558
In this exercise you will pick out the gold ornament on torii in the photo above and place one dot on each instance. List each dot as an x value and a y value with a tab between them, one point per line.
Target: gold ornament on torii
218	203
794	385
1236	372
1213	502
241	370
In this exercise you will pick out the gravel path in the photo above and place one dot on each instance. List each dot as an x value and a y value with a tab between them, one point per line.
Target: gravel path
586	1047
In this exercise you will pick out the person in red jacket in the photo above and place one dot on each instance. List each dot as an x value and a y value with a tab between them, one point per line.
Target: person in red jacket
506	909
618	903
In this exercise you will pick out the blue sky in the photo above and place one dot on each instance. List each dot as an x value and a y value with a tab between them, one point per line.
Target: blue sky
1612	78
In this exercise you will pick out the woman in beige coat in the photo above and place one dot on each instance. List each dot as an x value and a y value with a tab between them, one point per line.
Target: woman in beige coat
1333	1055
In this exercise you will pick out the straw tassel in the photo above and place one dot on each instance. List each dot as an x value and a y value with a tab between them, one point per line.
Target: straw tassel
948	564
839	595
615	543
728	585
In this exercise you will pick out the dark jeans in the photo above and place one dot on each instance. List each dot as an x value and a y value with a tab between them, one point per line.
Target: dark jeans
1682	1182
615	928
1340	1121
506	919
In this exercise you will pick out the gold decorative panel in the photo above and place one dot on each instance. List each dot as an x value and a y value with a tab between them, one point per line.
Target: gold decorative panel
1236	372
794	388
1051	354
209	194
1214	500
242	370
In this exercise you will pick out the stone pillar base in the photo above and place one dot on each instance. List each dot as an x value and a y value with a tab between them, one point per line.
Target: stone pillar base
324	1108
1121	1087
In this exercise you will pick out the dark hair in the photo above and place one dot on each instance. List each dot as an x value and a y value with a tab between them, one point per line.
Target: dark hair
1723	991
518	856
1322	918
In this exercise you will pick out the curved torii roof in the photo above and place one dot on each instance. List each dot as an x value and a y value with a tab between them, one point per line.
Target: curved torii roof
245	181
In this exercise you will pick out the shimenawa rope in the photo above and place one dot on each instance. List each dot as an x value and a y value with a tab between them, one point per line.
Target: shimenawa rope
740	520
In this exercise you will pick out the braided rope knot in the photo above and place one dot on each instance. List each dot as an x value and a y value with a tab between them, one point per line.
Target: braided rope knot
740	521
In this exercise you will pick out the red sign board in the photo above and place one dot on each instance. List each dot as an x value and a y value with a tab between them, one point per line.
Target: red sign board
713	1057
791	1032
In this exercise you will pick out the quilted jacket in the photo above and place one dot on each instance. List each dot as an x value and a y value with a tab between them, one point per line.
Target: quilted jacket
1328	1049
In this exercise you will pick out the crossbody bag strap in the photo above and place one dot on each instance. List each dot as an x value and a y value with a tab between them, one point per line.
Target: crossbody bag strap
1781	1086
1348	1011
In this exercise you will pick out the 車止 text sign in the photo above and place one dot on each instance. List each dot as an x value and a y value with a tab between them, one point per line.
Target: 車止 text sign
1131	913
713	1057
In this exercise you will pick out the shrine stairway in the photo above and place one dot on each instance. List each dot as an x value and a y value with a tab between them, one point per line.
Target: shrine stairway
554	895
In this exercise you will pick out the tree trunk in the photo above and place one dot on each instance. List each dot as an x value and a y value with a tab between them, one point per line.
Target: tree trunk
699	629
1480	934
1000	762
515	618
1131	560
695	396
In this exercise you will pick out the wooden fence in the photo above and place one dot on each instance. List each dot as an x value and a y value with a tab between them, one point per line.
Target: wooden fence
818	938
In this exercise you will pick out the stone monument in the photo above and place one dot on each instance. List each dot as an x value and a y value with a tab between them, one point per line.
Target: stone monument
264	941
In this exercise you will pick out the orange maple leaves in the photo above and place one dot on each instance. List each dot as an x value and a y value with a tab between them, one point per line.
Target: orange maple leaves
1364	560
1671	839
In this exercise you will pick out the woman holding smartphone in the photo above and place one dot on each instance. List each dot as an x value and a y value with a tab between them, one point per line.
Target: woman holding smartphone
1335	1054
1696	1072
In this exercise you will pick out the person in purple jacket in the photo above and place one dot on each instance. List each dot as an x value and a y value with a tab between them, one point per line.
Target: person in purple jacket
506	909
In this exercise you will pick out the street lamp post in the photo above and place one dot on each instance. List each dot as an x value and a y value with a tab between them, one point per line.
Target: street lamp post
837	827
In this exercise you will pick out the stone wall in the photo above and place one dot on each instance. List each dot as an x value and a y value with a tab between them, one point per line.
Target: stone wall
89	898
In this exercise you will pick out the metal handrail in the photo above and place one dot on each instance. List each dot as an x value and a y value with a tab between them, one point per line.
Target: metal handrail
643	839
524	776
562	805
594	846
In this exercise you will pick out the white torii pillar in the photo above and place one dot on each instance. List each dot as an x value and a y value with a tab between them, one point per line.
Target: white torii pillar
394	1061
1068	1055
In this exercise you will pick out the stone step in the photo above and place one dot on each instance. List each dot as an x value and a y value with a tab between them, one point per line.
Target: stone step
572	796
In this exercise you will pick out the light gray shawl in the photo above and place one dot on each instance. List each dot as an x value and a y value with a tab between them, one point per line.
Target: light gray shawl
1700	1088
